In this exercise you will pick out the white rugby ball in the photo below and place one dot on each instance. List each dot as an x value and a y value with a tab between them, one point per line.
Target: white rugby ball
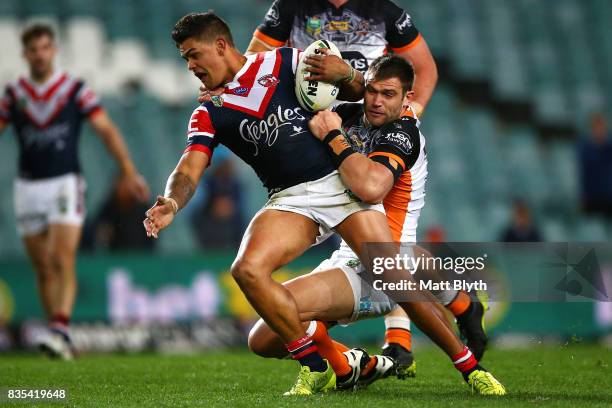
315	95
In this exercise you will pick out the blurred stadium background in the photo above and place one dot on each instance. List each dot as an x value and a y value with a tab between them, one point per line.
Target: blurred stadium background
518	83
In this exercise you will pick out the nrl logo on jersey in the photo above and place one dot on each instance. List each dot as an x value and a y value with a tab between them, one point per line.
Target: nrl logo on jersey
268	80
313	25
403	23
273	16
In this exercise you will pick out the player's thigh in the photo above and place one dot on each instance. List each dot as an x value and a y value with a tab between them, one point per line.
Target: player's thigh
64	242
323	295
274	238
37	247
364	227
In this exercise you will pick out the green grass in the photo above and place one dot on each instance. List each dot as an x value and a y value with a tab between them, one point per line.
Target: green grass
576	375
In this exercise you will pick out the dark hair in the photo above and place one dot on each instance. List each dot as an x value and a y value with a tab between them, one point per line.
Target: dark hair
390	66
206	26
35	31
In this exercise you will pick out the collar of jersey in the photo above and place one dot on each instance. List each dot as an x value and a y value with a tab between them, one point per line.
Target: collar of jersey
42	88
235	83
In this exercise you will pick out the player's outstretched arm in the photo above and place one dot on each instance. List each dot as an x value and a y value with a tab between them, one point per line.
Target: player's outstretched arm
369	180
180	188
110	135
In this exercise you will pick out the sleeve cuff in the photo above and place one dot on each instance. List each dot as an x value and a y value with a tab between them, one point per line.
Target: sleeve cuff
405	48
267	39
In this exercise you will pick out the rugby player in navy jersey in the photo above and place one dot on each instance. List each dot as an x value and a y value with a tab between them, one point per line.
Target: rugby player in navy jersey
260	120
47	109
392	167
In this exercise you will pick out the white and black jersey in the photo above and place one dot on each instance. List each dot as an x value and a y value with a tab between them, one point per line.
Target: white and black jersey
362	29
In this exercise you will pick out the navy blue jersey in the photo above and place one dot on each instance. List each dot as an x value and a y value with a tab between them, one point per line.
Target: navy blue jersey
260	120
47	119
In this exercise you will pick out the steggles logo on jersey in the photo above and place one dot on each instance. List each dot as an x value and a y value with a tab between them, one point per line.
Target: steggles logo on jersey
268	80
266	132
41	138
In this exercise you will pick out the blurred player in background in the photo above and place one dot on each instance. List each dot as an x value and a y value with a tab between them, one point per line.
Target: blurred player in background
47	109
364	30
395	168
259	118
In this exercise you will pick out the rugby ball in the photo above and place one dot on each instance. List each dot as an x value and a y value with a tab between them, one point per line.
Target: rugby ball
315	95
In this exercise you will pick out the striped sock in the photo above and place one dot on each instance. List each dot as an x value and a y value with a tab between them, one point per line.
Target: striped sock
465	362
305	351
398	331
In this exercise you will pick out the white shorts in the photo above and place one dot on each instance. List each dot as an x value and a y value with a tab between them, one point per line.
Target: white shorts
326	201
55	200
369	302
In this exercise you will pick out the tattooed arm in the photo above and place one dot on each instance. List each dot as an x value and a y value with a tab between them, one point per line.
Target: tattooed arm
179	189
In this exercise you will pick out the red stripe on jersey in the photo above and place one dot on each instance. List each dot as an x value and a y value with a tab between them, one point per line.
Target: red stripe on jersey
248	78
87	97
199	148
264	104
26	87
268	96
54	88
56	112
200	122
94	111
47	95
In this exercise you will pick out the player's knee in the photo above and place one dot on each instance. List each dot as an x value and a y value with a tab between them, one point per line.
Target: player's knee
263	341
44	271
256	345
247	272
62	260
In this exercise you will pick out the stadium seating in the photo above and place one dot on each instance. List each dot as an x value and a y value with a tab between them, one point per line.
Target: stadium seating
555	55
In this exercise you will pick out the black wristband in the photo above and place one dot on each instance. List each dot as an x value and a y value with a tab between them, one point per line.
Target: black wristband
331	136
339	151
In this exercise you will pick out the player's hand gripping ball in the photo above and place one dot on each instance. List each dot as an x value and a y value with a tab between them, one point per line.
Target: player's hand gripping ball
315	95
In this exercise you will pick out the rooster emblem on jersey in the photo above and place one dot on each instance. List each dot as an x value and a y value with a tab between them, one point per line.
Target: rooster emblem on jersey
268	80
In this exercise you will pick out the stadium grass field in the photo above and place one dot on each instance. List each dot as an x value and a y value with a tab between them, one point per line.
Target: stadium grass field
575	375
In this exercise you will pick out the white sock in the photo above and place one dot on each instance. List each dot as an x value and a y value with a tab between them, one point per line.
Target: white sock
397	322
312	328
